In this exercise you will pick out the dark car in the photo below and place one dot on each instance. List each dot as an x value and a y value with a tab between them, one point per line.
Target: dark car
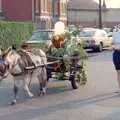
40	38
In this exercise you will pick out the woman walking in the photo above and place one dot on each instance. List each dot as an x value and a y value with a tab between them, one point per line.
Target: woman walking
116	53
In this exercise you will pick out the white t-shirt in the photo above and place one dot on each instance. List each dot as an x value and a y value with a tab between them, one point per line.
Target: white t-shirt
116	39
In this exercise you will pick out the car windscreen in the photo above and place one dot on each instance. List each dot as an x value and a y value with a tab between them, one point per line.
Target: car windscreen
87	33
41	36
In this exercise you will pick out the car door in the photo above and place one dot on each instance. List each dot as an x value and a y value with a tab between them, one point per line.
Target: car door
107	40
103	38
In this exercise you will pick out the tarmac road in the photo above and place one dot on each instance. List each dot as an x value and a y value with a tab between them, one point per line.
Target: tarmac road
94	101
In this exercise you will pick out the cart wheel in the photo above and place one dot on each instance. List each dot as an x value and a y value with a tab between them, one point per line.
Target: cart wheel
73	80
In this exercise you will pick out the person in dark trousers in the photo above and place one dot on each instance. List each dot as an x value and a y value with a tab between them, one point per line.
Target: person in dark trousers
116	53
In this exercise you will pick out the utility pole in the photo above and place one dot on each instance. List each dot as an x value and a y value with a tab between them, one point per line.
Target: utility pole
100	14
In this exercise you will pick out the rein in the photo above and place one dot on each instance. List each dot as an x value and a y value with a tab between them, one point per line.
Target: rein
3	67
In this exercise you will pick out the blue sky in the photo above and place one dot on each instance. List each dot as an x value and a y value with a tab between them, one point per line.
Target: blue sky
111	3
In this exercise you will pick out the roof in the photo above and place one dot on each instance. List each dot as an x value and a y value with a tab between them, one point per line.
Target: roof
82	4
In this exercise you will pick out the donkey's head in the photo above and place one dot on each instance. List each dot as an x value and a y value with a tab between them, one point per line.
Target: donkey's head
11	57
9	60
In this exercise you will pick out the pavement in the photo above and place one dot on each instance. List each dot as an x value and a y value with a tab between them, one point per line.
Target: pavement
96	100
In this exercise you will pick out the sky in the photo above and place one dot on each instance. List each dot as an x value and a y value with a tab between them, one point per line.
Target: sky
111	3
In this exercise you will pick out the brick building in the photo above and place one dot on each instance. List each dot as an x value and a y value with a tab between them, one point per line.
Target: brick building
44	12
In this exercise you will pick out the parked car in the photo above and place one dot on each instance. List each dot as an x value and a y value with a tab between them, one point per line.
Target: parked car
40	38
95	39
109	32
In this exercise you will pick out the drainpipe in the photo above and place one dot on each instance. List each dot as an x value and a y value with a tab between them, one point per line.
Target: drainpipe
0	5
33	10
59	12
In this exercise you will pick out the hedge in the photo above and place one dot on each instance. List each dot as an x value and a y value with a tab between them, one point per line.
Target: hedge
14	32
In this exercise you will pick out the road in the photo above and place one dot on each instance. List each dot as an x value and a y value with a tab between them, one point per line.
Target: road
94	101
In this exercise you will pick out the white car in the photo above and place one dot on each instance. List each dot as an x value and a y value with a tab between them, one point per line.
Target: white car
95	39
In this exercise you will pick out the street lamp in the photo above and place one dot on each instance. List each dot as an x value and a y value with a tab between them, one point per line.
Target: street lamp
100	14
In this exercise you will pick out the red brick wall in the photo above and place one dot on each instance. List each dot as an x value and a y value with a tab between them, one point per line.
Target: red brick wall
17	9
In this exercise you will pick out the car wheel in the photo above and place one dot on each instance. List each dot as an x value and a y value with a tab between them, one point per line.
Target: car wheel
100	48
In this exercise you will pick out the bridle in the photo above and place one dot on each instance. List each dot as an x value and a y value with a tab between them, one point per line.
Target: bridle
4	66
3	70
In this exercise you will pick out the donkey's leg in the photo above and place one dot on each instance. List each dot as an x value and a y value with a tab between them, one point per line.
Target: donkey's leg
44	86
26	88
43	81
40	90
15	90
43	89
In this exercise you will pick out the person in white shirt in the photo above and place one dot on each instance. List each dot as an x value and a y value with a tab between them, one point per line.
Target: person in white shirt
116	53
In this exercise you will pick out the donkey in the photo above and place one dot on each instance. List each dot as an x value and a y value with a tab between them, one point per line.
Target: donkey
15	63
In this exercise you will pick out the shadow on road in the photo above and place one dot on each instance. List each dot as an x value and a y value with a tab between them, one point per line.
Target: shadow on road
38	112
7	93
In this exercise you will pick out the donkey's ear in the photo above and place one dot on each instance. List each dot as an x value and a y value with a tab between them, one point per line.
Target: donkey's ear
6	52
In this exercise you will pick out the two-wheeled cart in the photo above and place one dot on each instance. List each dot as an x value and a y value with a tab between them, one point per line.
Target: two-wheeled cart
70	71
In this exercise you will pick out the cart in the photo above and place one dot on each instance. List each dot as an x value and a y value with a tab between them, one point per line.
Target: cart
70	71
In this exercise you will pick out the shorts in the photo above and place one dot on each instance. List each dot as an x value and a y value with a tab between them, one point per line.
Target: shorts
116	59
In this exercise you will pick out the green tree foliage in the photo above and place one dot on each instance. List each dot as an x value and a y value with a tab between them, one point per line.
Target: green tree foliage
14	33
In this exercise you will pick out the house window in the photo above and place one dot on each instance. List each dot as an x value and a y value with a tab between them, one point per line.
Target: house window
37	6
55	8
44	5
63	8
46	2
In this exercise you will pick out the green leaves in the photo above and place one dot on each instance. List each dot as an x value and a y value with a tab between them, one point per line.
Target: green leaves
14	32
72	48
